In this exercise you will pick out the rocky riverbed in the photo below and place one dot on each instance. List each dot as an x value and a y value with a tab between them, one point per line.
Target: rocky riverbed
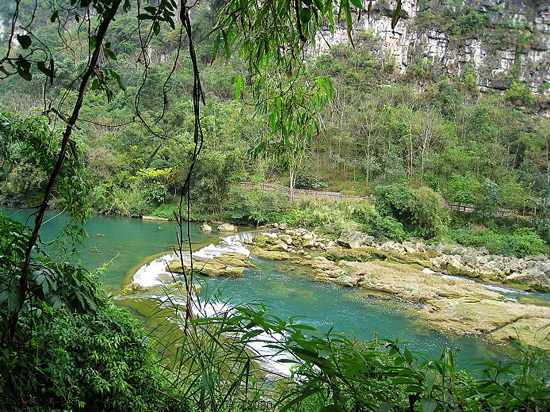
460	290
456	289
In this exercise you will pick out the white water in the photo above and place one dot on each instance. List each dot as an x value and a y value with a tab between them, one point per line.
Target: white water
499	289
230	244
508	291
149	275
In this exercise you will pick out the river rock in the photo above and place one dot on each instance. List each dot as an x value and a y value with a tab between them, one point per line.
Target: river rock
353	239
533	277
287	239
227	227
409	247
205	227
279	246
229	265
499	320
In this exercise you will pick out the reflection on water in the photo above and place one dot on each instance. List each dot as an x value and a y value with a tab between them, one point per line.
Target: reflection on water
122	242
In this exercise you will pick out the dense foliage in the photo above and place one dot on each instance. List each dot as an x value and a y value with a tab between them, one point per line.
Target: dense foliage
72	349
420	130
65	346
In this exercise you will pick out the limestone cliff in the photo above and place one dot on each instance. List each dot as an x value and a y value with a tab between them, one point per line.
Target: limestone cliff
497	41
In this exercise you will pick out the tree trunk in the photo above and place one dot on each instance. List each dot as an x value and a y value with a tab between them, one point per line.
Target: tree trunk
292	176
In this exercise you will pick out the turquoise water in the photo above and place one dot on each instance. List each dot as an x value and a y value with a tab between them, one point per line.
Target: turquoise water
347	310
125	243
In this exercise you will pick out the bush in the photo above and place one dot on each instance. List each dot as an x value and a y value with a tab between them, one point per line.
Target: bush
520	93
520	243
165	211
255	206
305	180
432	217
71	348
372	223
422	212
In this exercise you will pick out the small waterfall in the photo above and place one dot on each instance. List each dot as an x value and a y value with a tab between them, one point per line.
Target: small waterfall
149	274
229	244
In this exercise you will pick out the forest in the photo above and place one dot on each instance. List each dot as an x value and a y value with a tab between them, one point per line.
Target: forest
267	106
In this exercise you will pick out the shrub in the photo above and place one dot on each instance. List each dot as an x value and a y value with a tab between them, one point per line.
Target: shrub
371	222
256	205
520	93
71	348
305	180
520	243
422	212
432	217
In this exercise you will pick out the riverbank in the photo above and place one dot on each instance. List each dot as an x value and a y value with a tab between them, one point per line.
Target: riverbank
456	290
460	290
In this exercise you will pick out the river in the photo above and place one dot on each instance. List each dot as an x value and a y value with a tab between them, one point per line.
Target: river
125	243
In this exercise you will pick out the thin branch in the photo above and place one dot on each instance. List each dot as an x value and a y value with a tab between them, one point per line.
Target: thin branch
23	281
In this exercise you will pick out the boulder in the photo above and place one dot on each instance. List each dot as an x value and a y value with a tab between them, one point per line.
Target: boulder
352	239
227	227
205	227
534	277
409	247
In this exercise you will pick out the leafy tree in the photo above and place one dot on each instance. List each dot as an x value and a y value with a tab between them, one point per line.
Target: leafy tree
463	189
422	212
291	107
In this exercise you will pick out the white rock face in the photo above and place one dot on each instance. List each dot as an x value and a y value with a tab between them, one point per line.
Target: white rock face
492	62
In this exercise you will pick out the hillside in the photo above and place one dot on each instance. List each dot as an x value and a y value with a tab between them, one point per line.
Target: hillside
436	103
497	41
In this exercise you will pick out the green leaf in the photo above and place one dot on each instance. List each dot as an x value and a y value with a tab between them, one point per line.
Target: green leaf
408	356
13	302
357	3
305	15
46	70
25	74
118	79
216	47
24	40
239	88
55	16
428	405
95	84
305	394
93	42
226	44
109	53
396	15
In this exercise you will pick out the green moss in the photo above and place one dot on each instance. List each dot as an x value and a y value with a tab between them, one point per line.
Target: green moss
362	254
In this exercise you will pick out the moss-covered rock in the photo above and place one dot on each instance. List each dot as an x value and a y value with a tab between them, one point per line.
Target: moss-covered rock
272	254
361	254
228	265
